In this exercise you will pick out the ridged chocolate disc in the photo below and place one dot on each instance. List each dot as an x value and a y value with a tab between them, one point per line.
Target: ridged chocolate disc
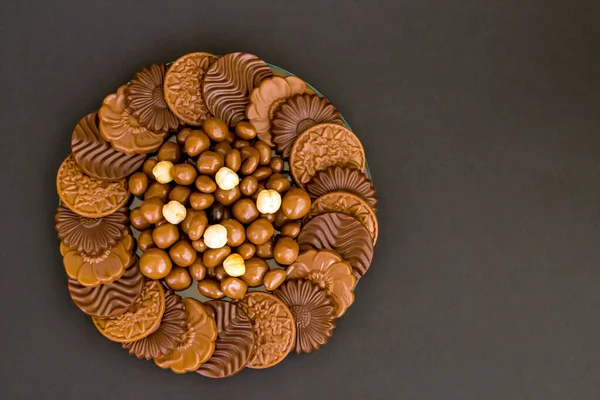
169	333
109	300
96	157
228	83
313	312
345	179
341	233
234	343
90	235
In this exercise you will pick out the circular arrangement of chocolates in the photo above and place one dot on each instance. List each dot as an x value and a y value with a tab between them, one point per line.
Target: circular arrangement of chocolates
223	176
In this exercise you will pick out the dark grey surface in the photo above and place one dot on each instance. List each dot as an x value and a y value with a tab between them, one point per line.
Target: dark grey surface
481	123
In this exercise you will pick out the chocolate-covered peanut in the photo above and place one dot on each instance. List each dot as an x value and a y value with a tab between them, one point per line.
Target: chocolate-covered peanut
152	209
248	185
201	201
165	235
196	143
155	263
209	162
227	197
211	288
286	250
245	211
233	160
265	250
181	194
276	164
160	190
138	183
236	234
182	253
246	250
197	270
256	268
250	158
215	128
279	183
214	257
206	184
290	229
262	173
182	135
185	174
264	151
260	231
169	151
245	130
178	279
137	220
234	288
222	148
274	278
145	240
148	166
295	203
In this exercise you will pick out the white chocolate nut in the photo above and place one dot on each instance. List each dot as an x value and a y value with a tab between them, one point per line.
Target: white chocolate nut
234	265
226	179
215	236
164	171
268	201
174	212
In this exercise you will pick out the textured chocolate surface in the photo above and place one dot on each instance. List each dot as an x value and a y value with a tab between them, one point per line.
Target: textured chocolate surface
342	233
167	336
228	83
345	179
90	235
313	313
96	156
109	300
322	146
297	114
234	343
146	100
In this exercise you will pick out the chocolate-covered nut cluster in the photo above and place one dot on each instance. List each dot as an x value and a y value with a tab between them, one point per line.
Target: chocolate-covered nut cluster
248	189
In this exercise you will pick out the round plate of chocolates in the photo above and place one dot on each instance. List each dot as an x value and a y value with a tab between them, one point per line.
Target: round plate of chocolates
216	214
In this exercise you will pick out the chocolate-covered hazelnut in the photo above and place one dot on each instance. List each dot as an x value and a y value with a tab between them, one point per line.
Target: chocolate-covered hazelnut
137	220
250	158
182	253
234	288
191	213
279	183
265	250
248	185
274	278
220	273
197	270
256	268
246	250
217	213
280	219
228	197
169	151
181	194
197	227
152	209
276	164
259	189
286	250
268	217
236	234
295	203
182	135
199	245
245	211
222	148
233	160
196	142
239	143
185	174
245	130
230	137
262	173
260	231
165	235
148	166
290	229
201	201
160	190
210	162
205	184
264	150
215	128
155	263
145	240
178	279
214	257
138	183
210	288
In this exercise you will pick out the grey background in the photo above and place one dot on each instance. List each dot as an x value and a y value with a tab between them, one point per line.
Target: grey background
481	123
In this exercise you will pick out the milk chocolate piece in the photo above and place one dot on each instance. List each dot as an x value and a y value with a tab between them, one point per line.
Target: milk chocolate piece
220	273
222	148
265	250
290	229
197	270
264	152
266	99
168	335
210	288
234	342
137	219
182	253
246	250
155	263
276	164
201	201
198	342
151	209
160	190
217	213
183	87
196	142
169	151
256	268
96	157
165	235
147	167
245	211
147	102
138	183
286	250
182	135
250	160
274	278
341	233
87	196
178	279
104	268
181	194
185	174
248	185
214	257
262	173
205	184
346	203
228	83
90	235
145	240
279	183
215	128
322	146
228	197
296	115
236	234
245	130
260	231
343	179
111	299
313	313
210	162
122	129
140	320
295	203
233	160
233	288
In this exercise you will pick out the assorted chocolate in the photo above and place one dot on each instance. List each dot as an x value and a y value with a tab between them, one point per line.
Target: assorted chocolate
237	182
